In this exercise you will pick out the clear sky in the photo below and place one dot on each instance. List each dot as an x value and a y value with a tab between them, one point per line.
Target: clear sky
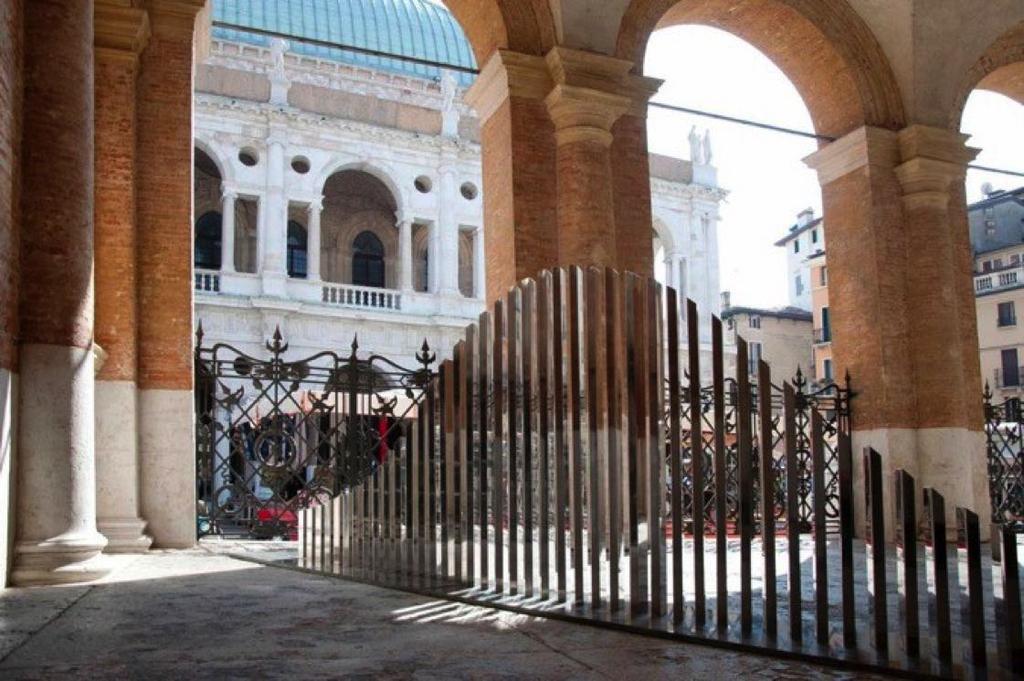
705	68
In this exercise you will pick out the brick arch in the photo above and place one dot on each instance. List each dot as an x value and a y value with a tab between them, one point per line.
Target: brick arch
519	25
999	69
822	46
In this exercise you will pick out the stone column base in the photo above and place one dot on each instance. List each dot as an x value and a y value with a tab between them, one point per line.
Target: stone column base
61	560
124	535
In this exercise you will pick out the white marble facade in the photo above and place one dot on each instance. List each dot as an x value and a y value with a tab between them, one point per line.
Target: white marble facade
429	207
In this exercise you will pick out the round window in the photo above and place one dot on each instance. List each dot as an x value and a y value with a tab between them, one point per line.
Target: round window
248	157
469	191
300	164
423	184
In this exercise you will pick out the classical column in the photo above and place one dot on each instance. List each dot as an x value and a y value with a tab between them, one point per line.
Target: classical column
275	217
227	231
404	253
479	265
434	261
670	270
55	516
164	253
313	239
518	157
447	234
121	34
902	306
583	105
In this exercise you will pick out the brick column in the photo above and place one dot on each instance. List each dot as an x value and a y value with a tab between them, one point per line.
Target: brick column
902	310
121	34
56	537
518	155
164	181
11	14
631	182
584	104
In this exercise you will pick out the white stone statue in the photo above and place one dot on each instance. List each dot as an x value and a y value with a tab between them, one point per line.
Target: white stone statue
279	82
696	150
449	113
707	147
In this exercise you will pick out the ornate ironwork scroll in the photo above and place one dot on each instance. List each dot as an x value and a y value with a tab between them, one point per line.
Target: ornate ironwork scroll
1004	440
274	434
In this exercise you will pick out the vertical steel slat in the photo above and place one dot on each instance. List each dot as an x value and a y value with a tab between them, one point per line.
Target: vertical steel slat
483	423
561	443
846	532
906	518
940	609
444	464
696	465
575	425
416	490
820	529
384	538
468	458
745	452
655	447
376	484
973	606
634	307
721	478
393	483
792	515
513	381
1011	610
593	325
767	483
529	381
449	493
544	385
312	538
675	452
458	461
432	479
408	492
498	452
875	511
614	361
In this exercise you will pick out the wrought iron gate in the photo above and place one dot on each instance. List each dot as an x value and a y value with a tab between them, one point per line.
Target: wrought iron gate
1004	444
274	435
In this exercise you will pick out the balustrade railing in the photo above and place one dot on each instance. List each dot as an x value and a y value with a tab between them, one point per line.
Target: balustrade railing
362	297
207	281
565	495
993	281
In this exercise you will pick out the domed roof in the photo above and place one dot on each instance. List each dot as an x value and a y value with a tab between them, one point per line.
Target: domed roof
413	28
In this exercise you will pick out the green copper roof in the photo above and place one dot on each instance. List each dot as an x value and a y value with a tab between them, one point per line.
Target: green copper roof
413	28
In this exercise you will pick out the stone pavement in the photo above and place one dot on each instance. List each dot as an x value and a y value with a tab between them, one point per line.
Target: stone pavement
201	614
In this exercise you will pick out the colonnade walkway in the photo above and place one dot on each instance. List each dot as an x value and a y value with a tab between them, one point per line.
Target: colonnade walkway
204	614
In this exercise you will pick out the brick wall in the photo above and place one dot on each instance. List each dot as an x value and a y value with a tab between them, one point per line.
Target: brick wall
631	178
116	295
10	148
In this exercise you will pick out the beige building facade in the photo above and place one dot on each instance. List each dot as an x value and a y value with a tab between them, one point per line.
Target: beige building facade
779	336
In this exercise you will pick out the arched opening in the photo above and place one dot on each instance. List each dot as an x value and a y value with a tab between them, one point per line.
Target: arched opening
207	248
297	250
368	260
358	208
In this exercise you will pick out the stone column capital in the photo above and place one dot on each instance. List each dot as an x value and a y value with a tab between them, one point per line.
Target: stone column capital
120	33
508	74
932	160
315	205
174	18
864	147
584	114
228	193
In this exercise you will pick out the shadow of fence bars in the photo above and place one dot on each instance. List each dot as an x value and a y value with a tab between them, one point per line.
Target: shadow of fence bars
544	472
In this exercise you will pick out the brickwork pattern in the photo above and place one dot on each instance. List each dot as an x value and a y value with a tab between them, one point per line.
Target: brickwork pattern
586	214
10	162
57	175
116	281
164	181
632	189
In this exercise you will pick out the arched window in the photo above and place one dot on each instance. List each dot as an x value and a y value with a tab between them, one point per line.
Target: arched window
206	252
297	253
368	260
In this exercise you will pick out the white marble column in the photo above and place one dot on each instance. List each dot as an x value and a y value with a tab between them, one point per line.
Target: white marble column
227	235
434	261
479	265
313	240
275	219
670	270
404	253
448	235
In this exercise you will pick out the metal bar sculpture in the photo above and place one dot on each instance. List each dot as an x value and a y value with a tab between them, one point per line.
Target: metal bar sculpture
566	428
